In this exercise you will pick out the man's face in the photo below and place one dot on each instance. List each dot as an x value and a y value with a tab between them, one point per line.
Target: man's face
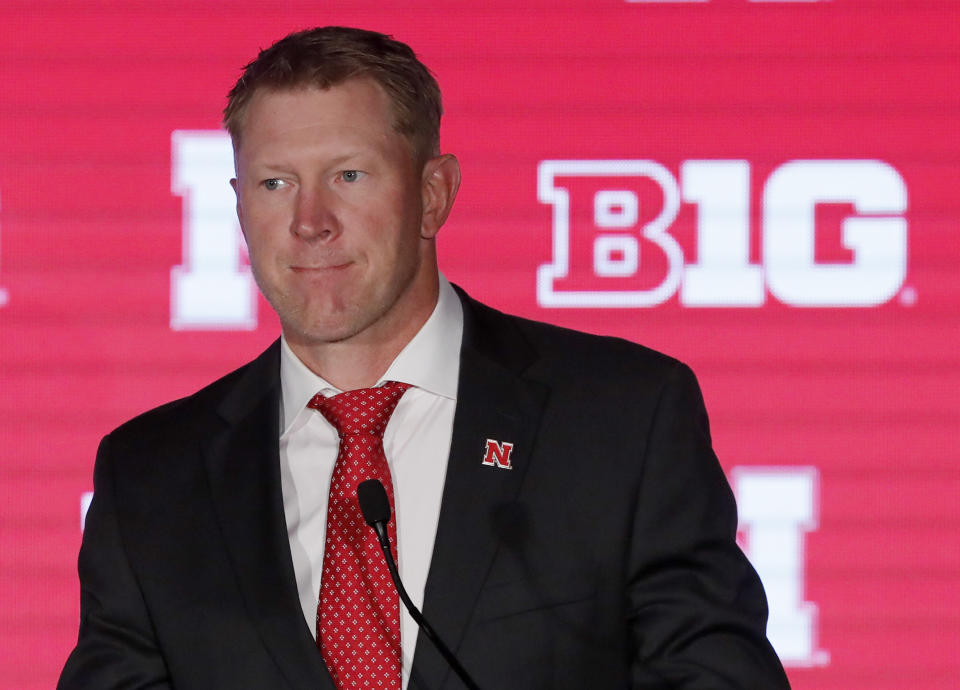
331	205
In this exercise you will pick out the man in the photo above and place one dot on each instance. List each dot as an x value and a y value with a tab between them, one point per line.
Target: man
560	514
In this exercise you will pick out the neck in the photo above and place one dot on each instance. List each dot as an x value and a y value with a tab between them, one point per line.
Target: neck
349	366
360	361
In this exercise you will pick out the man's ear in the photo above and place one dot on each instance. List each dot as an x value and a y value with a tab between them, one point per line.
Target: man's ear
236	190
438	185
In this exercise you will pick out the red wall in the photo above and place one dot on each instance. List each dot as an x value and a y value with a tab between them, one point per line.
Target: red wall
785	218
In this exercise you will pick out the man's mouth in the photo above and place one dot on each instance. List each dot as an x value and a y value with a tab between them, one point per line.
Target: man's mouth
320	268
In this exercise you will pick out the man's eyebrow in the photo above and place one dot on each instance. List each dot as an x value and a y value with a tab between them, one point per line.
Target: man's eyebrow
283	164
351	155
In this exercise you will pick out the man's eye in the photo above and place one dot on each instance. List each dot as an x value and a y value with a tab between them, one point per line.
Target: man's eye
273	183
350	175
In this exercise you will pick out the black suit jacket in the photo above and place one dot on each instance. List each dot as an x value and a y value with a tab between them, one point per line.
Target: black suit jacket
605	558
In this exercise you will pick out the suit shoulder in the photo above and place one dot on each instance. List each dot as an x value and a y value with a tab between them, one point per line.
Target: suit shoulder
549	337
579	352
182	416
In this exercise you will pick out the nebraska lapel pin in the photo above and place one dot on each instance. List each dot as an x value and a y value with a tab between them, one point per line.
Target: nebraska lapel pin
497	454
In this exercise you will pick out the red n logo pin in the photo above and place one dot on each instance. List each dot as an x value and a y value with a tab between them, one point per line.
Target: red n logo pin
498	454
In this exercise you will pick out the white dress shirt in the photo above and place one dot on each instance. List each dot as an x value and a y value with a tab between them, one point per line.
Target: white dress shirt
416	443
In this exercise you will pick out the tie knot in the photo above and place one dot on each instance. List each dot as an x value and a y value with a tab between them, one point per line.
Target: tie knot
361	411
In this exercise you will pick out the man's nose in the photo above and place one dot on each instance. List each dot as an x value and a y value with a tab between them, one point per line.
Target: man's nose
315	216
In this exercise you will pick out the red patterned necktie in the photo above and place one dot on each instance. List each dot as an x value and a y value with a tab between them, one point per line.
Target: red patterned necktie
358	617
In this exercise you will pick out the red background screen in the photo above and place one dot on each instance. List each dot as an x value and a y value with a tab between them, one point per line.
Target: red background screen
766	190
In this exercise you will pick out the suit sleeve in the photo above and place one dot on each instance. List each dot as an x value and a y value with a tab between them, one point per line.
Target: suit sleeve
116	648
697	610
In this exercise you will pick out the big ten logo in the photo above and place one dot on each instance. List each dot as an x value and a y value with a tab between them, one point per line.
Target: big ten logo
213	287
778	507
628	233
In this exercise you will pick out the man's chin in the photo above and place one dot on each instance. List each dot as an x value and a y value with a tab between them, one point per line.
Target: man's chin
319	335
323	329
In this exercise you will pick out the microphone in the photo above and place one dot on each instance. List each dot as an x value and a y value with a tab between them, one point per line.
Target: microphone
375	507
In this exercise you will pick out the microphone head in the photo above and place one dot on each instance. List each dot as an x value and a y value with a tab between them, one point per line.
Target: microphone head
374	503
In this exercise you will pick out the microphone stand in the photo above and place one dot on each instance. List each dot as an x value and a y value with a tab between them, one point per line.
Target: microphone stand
376	511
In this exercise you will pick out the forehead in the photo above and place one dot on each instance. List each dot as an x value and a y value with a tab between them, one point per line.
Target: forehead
356	107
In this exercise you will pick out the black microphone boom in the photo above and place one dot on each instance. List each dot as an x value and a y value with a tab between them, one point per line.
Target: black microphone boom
375	507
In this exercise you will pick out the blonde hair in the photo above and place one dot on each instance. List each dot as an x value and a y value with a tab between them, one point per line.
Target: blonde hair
330	55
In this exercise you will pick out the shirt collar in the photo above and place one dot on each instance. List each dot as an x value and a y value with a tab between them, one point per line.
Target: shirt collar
430	361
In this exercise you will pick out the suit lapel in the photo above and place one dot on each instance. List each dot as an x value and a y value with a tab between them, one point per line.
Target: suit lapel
494	402
244	471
